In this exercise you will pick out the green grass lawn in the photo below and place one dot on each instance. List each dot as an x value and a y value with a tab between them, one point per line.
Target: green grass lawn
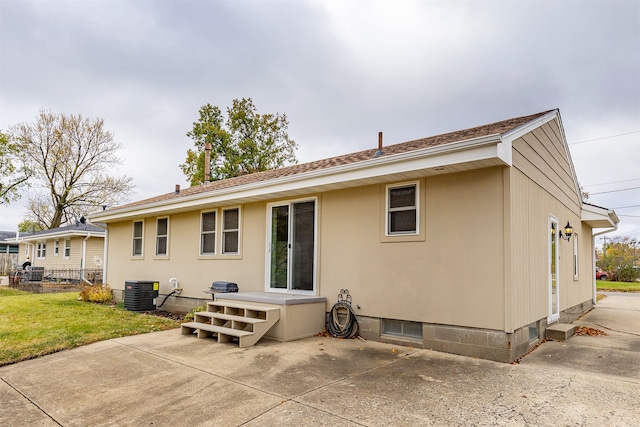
606	285
33	325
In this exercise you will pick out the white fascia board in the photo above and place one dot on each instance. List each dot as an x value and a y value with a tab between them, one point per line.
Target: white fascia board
540	121
448	154
524	129
599	217
61	235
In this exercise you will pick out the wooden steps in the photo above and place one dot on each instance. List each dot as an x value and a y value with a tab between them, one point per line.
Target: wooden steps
231	321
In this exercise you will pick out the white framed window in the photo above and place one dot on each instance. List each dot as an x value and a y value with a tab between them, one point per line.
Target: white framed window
402	209
208	233
67	248
576	250
231	231
41	250
56	247
138	238
162	236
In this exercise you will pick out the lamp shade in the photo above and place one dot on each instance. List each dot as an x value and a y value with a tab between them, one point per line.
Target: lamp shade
568	229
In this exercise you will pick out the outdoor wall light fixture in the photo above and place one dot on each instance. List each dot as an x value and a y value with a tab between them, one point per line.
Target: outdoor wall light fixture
568	231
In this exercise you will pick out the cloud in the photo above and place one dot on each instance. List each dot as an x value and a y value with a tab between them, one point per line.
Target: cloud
341	71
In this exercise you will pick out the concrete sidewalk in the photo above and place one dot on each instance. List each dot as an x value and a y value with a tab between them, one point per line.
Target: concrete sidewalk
166	379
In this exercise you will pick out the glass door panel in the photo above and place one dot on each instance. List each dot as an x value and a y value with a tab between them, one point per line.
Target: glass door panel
292	231
554	297
279	247
303	246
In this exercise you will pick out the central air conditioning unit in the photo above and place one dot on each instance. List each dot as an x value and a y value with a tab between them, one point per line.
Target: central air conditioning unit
141	295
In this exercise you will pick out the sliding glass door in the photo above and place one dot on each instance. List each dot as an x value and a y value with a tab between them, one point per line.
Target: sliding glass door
291	246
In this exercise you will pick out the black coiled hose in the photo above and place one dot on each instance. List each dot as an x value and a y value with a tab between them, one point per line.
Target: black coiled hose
349	328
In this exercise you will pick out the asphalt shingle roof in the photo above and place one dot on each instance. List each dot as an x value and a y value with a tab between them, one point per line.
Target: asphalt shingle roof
500	127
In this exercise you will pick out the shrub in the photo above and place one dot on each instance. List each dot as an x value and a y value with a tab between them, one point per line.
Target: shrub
97	293
626	273
190	315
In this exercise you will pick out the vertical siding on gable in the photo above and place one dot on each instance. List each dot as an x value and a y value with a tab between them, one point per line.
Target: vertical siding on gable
540	155
542	184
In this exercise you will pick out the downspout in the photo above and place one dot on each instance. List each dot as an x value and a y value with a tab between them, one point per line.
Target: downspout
593	244
104	257
105	245
82	260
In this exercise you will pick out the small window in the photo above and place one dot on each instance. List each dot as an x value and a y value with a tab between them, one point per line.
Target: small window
402	209
402	328
67	248
138	231
230	230
56	247
208	233
162	236
41	250
533	331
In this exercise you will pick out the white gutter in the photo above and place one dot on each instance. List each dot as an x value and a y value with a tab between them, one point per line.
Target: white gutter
483	148
58	234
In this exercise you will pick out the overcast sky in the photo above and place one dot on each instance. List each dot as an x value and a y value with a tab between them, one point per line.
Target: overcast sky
340	70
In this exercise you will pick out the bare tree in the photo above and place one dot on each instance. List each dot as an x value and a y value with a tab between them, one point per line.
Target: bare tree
70	156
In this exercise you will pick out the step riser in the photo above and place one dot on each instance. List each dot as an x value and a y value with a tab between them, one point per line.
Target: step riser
560	332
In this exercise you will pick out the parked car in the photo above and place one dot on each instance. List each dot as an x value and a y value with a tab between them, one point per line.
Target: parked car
601	274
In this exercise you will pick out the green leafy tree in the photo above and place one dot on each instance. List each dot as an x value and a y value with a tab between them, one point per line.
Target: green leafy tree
70	157
242	143
14	173
619	257
28	226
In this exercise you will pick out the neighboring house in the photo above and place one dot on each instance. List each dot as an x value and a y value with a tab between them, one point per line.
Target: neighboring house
71	247
454	242
8	252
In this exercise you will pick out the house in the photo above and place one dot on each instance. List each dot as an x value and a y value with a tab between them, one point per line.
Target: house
455	242
8	252
67	252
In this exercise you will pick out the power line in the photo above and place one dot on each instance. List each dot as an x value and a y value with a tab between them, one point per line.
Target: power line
625	207
614	191
604	137
612	182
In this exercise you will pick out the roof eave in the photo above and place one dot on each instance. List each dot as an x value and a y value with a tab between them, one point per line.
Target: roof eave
57	235
486	149
597	217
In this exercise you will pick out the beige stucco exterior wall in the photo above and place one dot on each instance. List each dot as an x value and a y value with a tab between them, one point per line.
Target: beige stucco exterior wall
435	278
541	184
194	272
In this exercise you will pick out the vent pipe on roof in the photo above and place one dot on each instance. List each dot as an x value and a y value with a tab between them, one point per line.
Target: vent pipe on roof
379	152
207	162
177	188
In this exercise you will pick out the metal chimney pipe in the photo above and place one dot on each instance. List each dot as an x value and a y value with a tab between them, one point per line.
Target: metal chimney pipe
379	152
207	162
